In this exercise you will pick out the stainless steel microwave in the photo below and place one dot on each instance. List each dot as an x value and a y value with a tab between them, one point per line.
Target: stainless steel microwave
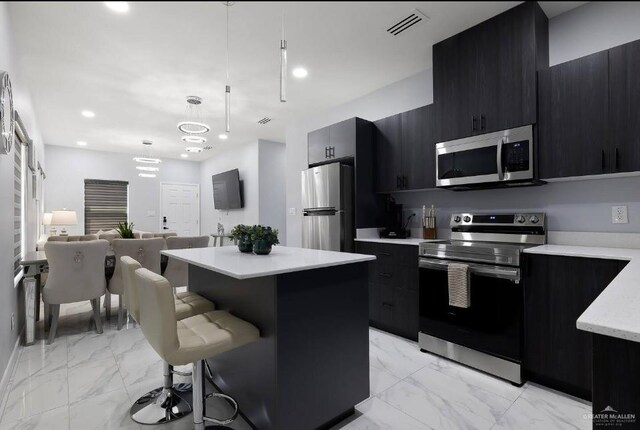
495	159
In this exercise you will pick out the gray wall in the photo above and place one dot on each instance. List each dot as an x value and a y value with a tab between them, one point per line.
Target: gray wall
69	167
272	186
9	295
583	205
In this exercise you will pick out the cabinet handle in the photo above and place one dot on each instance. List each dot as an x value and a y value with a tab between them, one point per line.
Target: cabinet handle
387	304
604	165
398	183
384	275
326	152
384	254
617	164
474	121
483	122
333	152
404	181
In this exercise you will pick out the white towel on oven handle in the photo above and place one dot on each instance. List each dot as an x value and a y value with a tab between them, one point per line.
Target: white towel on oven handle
459	285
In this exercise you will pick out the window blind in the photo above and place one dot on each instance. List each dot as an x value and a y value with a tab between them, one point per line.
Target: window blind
17	206
105	204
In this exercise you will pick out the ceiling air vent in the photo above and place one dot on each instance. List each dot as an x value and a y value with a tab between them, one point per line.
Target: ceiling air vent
265	120
406	22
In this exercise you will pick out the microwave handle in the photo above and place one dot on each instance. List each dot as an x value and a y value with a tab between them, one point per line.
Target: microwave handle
499	160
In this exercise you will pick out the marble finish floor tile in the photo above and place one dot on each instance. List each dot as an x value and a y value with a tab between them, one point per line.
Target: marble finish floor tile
380	380
397	356
37	394
88	347
56	419
93	378
109	411
374	414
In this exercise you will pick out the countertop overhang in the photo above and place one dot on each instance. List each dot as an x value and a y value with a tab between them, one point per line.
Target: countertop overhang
616	311
229	261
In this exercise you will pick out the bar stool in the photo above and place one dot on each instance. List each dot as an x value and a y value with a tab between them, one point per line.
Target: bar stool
163	404
191	340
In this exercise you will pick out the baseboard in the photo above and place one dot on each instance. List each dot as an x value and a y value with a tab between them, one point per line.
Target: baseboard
8	371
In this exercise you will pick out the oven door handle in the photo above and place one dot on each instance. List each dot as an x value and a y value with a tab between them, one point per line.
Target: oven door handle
510	273
499	159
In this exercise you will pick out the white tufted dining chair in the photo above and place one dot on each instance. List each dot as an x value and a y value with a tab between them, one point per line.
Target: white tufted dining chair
76	273
177	272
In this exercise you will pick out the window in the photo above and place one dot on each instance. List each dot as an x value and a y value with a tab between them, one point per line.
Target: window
18	205
105	204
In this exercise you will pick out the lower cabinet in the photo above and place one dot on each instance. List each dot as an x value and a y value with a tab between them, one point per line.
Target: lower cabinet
393	287
557	291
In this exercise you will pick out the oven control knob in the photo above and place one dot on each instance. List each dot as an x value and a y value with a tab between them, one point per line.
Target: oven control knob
467	218
457	218
534	219
521	219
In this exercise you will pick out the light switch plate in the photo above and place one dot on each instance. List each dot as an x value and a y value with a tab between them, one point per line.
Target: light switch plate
619	215
292	211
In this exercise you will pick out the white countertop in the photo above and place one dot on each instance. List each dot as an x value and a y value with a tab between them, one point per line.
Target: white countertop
283	259
616	311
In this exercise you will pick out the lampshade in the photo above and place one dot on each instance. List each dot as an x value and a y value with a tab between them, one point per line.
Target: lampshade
46	219
64	217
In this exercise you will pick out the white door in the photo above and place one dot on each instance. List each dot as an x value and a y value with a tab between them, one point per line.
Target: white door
180	209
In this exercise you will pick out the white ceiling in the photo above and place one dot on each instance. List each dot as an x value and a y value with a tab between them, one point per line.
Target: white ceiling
134	70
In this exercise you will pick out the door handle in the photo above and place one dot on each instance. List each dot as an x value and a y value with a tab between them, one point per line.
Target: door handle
474	121
483	122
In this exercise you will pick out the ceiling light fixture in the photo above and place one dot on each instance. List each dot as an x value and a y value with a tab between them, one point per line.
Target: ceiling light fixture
117	6
195	124
81	143
283	65
88	114
147	159
147	175
223	136
227	88
184	155
194	139
300	72
194	149
147	168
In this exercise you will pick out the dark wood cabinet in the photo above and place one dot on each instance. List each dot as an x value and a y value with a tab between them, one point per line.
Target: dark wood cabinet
484	79
393	287
557	291
624	107
573	118
333	143
317	144
405	151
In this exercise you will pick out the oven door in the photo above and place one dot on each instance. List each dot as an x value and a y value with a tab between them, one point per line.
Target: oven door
493	323
502	156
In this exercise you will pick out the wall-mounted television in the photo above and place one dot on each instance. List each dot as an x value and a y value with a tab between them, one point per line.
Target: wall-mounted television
227	190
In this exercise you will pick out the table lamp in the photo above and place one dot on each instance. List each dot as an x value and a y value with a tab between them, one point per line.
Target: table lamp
46	220
63	218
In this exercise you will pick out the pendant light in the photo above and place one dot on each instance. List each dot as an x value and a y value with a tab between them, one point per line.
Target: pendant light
147	159
195	125
283	65
227	88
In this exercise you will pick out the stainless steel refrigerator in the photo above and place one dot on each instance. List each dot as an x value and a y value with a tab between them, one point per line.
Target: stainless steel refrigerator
327	202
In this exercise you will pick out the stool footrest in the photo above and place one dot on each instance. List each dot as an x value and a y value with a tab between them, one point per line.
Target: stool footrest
223	421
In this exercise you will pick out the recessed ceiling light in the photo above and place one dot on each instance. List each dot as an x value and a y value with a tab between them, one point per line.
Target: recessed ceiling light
194	139
88	114
184	155
195	149
81	143
300	72
223	136
118	6
147	175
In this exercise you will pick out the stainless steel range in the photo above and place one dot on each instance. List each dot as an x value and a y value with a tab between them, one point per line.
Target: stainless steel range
486	331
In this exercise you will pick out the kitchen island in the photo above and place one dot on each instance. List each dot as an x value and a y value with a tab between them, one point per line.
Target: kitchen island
311	365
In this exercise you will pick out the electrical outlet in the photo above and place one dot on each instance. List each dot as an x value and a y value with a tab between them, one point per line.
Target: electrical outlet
13	320
619	215
292	211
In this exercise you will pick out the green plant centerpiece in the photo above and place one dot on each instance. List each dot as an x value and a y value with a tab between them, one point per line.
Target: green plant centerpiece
263	239
125	230
242	234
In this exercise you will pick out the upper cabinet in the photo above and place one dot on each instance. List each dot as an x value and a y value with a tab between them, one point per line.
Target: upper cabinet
333	143
588	115
624	107
573	118
484	79
405	151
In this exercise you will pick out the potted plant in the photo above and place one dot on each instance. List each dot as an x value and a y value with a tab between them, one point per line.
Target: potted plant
263	239
125	230
242	234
